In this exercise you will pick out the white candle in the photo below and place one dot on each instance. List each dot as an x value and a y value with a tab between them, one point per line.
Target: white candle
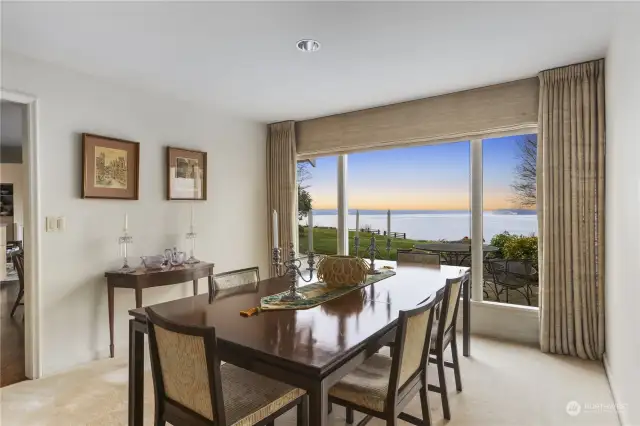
310	216
388	223
126	222
192	221
275	229
357	222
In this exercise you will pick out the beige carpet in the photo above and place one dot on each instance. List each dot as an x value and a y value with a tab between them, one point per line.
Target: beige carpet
504	384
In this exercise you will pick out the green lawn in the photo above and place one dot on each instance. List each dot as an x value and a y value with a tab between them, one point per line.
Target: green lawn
325	242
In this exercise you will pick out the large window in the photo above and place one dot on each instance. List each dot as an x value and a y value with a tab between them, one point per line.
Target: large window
510	222
317	197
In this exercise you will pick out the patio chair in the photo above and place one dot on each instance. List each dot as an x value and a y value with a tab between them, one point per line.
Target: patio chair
513	274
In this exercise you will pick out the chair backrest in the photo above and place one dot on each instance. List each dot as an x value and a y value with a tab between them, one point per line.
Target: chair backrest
412	344
450	303
186	370
414	256
236	278
18	264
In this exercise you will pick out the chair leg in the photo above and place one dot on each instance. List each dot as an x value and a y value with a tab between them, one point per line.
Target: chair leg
271	423
349	415
456	363
302	416
424	403
17	302
443	387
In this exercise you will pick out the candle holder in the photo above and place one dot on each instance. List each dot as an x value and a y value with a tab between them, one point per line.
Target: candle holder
356	244
373	251
124	242
291	269
192	258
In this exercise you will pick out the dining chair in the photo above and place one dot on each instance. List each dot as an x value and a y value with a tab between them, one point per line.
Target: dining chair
415	256
383	385
193	388
239	277
444	335
18	263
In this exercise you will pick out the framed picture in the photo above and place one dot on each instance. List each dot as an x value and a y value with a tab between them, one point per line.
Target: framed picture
186	174
110	167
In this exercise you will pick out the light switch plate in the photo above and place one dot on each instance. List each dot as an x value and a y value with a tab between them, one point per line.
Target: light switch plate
52	224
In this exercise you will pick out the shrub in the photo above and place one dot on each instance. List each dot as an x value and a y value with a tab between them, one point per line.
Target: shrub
516	246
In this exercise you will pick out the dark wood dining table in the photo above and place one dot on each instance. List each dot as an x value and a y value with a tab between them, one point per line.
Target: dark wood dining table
311	349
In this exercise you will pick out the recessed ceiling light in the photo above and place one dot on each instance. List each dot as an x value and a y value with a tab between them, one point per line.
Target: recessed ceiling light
308	45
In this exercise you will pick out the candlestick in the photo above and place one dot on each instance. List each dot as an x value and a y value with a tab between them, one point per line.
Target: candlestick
388	223
310	216
124	241
275	229
292	269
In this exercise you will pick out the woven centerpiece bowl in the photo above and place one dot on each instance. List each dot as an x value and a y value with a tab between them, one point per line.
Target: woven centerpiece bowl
342	271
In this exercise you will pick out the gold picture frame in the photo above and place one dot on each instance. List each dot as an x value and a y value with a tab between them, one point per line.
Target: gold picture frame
186	174
110	168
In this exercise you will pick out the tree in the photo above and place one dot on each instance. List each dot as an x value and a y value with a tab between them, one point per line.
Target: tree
524	182
304	198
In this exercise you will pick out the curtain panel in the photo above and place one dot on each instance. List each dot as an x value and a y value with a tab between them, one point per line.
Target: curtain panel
281	185
571	159
491	111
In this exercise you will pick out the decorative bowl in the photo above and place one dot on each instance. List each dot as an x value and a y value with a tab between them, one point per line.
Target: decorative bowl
342	271
154	262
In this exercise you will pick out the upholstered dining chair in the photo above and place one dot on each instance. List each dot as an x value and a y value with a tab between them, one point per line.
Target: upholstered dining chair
382	386
237	278
18	263
415	256
193	388
444	335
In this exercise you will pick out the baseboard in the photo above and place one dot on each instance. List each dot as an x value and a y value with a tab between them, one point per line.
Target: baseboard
622	415
506	322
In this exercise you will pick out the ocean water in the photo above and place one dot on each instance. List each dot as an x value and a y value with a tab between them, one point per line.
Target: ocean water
434	225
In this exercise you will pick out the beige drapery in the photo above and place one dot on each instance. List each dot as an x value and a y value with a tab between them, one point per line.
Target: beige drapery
491	111
281	184
571	152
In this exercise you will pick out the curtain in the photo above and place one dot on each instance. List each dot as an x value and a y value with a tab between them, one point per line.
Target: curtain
571	158
491	111
281	184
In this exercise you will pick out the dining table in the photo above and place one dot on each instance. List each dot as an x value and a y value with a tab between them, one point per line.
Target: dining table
454	253
308	348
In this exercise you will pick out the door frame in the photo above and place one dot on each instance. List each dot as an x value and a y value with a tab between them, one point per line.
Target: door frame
32	232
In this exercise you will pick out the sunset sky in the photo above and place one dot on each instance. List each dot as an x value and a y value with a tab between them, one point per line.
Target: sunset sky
432	177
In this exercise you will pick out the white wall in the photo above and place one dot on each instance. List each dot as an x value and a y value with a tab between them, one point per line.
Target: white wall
623	213
230	224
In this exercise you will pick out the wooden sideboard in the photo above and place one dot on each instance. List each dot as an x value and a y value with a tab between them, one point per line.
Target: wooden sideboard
142	278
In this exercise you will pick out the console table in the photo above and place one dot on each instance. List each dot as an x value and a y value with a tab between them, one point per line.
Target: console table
142	278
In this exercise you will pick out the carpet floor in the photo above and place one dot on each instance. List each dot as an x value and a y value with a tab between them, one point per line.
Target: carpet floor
505	384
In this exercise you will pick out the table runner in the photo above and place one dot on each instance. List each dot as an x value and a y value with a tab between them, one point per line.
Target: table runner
317	294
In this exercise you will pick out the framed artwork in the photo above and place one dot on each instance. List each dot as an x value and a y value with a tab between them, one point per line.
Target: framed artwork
186	174
110	167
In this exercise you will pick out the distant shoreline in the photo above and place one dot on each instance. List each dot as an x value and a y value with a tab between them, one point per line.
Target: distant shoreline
519	212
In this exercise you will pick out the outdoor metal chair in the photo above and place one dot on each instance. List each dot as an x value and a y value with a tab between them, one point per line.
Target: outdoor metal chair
513	274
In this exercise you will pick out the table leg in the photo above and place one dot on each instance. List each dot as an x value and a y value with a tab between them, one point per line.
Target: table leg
195	287
136	375
318	405
466	318
210	283
110	301
138	298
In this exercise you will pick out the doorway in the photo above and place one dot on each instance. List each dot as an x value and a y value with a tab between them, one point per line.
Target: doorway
19	240
12	351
